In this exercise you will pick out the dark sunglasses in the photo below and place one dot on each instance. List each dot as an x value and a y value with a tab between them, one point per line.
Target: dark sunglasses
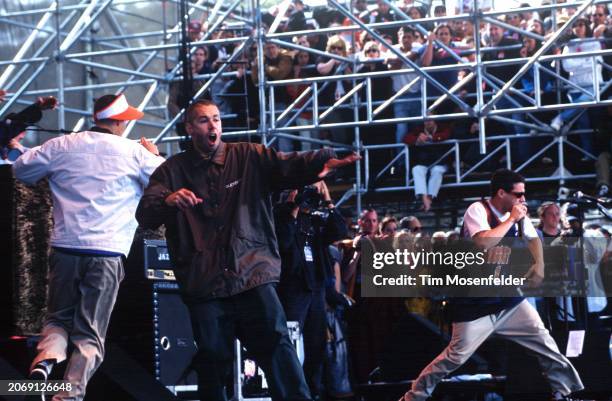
518	194
372	51
416	229
336	48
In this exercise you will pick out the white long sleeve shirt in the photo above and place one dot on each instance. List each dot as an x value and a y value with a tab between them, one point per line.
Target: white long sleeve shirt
96	180
580	69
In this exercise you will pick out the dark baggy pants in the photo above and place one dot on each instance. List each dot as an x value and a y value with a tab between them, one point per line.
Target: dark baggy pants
308	308
257	319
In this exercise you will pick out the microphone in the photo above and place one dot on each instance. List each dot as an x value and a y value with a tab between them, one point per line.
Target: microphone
581	195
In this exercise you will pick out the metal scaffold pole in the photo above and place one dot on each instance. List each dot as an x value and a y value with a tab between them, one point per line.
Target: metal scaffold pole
132	50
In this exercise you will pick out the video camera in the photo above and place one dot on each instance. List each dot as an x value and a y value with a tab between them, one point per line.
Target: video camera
309	198
16	123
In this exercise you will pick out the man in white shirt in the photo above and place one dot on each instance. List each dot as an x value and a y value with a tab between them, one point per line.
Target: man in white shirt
96	178
487	222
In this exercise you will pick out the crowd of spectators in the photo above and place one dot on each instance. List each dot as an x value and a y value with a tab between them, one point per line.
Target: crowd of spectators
445	43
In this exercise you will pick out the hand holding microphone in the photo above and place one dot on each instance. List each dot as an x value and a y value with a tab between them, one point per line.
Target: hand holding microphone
518	213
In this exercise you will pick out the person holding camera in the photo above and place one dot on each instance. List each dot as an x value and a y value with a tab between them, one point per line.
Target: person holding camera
306	224
13	127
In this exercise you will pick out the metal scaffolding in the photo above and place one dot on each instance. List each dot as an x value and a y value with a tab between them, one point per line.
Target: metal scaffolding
79	50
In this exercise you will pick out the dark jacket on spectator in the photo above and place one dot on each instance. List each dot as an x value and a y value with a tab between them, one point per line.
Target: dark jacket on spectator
506	72
319	232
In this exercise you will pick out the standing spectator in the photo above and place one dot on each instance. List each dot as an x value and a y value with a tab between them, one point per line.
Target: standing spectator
580	70
302	68
385	14
203	62
599	19
513	19
408	104
305	235
380	91
439	11
194	31
332	91
506	48
419	13
436	56
278	65
424	155
177	98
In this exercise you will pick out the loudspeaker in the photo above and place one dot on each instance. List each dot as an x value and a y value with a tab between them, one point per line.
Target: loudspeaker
120	377
174	344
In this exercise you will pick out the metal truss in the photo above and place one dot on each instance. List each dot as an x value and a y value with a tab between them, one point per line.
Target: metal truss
82	49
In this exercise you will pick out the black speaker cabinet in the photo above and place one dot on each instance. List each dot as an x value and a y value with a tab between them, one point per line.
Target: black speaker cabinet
173	337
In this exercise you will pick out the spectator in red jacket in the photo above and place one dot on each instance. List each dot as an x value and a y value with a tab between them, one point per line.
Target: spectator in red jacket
426	153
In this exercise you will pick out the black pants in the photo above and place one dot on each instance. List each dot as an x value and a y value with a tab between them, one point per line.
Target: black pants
257	319
308	308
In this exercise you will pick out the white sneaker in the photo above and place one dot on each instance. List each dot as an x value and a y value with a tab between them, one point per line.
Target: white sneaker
556	123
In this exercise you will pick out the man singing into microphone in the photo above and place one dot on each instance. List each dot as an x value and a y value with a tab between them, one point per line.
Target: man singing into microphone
487	222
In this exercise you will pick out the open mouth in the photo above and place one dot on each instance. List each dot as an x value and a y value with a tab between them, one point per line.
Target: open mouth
212	138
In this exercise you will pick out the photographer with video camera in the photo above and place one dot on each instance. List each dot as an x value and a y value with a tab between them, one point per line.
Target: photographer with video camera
306	224
12	128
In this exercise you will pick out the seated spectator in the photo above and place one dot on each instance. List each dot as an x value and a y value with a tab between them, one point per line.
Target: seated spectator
580	72
359	7
424	155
